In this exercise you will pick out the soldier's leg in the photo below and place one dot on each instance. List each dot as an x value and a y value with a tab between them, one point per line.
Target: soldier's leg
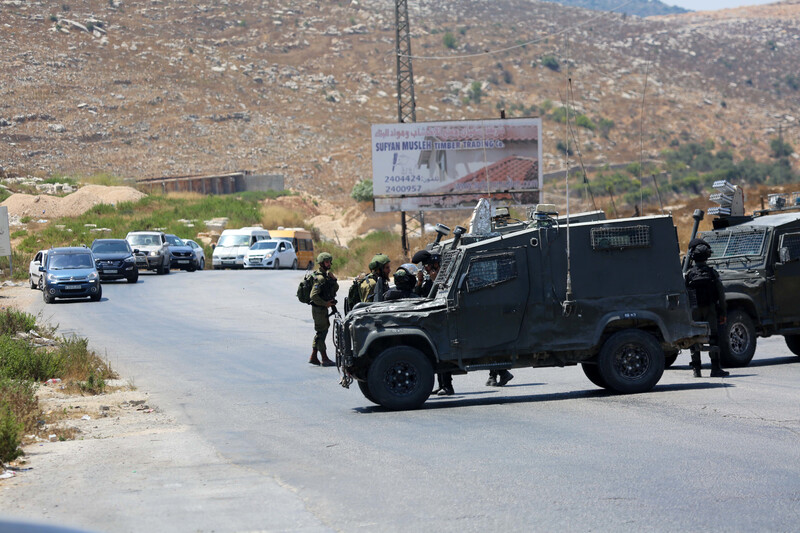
445	384
716	368
505	376
320	317
695	364
492	381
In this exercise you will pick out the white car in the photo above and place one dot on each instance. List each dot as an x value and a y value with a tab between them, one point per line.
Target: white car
199	254
34	276
274	253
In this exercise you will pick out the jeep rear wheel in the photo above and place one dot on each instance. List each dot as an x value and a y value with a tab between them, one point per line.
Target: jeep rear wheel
737	339
400	378
593	373
793	343
631	361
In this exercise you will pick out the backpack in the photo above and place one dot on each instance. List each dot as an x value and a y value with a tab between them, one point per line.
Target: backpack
304	288
703	282
354	293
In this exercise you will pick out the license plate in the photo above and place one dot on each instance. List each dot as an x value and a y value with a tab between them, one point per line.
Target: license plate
72	287
110	271
229	262
183	261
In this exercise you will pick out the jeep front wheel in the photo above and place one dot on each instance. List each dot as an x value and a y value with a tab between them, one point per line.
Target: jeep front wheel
593	373
400	378
631	361
364	387
737	339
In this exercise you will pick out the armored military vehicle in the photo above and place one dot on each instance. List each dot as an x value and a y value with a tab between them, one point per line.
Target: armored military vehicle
608	295
758	259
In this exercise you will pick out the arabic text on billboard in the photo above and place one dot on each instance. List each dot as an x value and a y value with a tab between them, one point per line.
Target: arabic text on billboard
441	165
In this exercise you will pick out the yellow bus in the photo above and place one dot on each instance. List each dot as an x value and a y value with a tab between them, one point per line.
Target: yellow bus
302	242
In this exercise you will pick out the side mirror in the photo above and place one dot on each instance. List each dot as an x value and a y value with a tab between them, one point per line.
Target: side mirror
135	250
41	268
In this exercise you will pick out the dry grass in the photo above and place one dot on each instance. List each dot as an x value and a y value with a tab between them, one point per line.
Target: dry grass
273	216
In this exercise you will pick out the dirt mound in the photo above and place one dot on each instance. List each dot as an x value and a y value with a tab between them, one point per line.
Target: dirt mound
72	205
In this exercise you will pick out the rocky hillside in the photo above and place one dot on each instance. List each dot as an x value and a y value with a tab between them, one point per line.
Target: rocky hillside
143	88
640	8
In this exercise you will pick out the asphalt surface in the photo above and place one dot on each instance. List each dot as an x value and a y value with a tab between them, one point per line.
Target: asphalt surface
275	444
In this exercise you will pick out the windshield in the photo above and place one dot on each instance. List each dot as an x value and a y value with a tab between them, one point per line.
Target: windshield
234	240
735	244
144	240
174	241
70	261
110	247
264	245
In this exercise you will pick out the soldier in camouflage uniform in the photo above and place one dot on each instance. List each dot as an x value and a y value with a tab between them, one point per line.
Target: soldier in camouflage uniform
379	275
711	308
323	296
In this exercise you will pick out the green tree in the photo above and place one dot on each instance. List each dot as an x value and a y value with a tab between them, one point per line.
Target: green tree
780	148
551	62
605	126
450	41
475	92
362	191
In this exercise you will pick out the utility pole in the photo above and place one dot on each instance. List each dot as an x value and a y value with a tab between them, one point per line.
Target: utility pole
406	105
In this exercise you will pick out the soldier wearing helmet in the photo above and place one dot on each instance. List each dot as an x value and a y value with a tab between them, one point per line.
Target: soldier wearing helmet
404	281
709	294
323	296
377	281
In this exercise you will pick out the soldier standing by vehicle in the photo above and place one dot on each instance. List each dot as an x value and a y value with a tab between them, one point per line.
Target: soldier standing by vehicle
323	297
377	281
711	308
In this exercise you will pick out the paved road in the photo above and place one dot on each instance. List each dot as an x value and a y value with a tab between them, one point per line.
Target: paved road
278	445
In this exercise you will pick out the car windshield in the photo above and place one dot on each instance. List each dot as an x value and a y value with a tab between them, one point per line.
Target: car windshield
234	240
110	247
70	261
264	245
174	241
144	240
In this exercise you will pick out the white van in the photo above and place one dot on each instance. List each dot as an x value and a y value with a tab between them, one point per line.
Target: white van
232	245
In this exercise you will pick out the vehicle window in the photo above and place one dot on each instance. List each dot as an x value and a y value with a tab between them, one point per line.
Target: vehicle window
38	258
140	240
264	245
791	241
174	241
620	238
70	261
735	243
110	247
490	271
234	240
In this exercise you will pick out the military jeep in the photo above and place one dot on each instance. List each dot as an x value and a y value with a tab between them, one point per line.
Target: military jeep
608	295
758	260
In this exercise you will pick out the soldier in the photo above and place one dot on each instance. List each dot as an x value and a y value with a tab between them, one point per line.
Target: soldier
711	308
379	275
404	281
323	296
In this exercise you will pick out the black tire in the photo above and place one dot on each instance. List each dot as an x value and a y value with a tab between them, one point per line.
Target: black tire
670	358
191	268
793	343
40	285
47	298
737	339
217	268
593	373
202	263
276	265
364	387
294	264
134	277
33	285
400	378
631	361
98	296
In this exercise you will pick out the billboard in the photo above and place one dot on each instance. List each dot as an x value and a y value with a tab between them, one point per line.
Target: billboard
5	237
450	165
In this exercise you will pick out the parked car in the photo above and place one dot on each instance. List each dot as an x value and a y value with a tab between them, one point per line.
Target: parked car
232	245
181	254
70	273
34	275
114	259
153	250
302	241
273	253
199	254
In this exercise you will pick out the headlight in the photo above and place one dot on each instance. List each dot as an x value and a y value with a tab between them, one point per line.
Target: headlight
269	254
156	252
92	275
52	278
240	258
129	260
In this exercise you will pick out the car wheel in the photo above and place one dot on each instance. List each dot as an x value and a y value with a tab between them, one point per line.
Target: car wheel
737	339
593	373
276	265
30	280
793	343
47	298
192	268
670	358
366	392
400	378
631	361
98	296
40	284
202	263
133	277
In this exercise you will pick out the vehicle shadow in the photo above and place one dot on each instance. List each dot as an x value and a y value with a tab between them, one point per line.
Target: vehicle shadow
775	361
494	397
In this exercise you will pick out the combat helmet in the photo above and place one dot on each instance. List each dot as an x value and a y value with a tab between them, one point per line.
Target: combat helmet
324	256
699	250
379	261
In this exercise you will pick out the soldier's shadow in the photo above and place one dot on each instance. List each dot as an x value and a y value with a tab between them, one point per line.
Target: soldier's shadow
495	396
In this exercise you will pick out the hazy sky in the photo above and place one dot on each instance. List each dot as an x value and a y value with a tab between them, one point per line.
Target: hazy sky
707	5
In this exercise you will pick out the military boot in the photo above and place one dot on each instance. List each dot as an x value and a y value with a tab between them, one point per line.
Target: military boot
505	376
716	369
695	364
325	361
313	359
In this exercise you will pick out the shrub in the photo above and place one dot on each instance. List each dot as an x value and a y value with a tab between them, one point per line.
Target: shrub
20	360
20	396
585	122
475	92
80	363
362	191
605	126
10	434
561	147
13	321
551	62
780	148
449	41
